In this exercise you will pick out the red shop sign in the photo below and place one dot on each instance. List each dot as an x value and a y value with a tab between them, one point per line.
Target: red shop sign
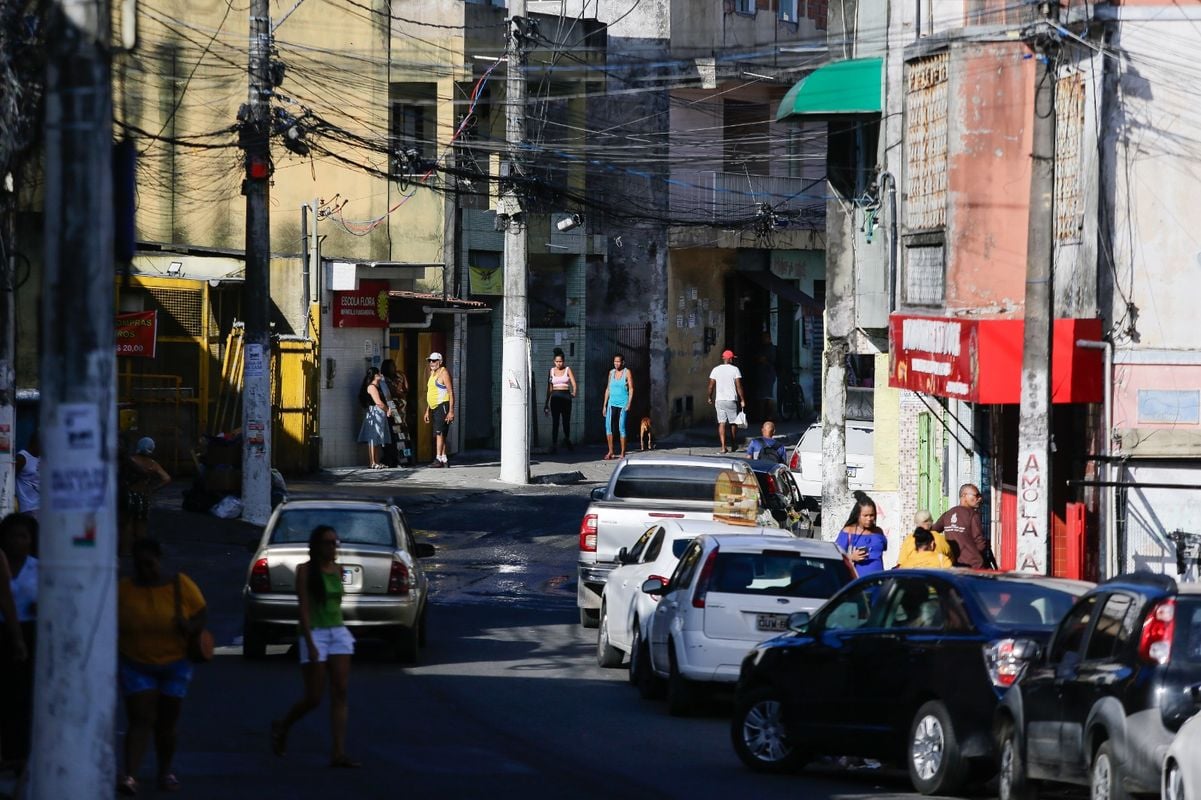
365	308
933	355
137	334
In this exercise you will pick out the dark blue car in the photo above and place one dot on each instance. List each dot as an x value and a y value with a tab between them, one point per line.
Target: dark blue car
904	666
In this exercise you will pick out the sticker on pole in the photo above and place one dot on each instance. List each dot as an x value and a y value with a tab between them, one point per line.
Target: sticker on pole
74	474
255	363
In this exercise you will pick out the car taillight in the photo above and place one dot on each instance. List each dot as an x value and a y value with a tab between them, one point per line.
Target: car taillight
772	486
588	533
400	580
1155	645
260	577
1004	666
794	463
702	583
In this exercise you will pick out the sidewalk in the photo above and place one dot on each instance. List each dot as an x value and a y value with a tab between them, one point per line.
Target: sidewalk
479	470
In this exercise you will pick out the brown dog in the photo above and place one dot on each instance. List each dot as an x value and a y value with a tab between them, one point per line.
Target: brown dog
646	435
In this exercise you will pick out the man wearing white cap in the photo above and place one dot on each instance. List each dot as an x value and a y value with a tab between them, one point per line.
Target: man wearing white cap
440	403
725	395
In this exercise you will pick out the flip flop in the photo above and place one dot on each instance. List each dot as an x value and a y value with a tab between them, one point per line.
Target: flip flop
169	783
127	785
608	457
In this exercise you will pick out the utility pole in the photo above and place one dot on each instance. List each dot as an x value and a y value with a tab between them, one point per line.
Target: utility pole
75	692
256	380
8	348
515	353
1034	429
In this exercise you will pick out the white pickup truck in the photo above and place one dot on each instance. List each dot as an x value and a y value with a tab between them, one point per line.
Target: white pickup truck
645	490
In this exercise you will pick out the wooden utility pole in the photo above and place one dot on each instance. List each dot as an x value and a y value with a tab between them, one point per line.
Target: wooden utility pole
75	695
515	353
256	301
1034	422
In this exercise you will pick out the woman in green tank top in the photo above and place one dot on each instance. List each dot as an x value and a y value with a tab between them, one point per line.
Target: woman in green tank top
325	644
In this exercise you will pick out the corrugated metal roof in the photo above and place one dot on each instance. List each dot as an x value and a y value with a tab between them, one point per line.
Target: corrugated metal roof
434	299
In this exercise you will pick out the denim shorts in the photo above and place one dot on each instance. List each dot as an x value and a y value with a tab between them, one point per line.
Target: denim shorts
169	679
329	642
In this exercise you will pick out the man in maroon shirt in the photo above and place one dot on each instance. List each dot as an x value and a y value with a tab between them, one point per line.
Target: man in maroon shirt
961	525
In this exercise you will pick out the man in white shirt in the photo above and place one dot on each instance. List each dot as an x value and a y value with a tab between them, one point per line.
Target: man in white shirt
725	395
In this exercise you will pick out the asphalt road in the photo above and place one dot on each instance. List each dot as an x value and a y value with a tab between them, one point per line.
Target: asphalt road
507	700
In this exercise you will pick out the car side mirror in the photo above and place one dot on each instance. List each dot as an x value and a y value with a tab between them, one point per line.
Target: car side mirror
424	550
798	621
1027	650
623	557
654	586
598	493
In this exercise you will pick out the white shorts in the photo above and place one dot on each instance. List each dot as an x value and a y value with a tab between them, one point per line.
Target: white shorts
329	642
726	412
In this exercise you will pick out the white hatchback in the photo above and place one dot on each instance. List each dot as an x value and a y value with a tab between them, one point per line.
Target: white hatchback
727	594
624	606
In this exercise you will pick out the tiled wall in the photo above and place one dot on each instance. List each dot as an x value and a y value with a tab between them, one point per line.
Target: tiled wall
341	414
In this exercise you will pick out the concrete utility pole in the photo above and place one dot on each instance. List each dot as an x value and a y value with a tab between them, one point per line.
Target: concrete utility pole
1034	429
256	379
8	337
515	353
75	692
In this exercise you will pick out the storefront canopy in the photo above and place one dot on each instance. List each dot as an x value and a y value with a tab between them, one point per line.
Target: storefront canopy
841	89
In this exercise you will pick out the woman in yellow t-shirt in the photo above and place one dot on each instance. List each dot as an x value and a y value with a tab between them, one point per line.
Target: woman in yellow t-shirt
153	666
923	520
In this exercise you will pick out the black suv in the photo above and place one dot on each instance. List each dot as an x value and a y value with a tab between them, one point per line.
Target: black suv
1101	706
906	666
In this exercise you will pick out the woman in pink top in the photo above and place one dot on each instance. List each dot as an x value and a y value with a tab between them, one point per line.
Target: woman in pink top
560	388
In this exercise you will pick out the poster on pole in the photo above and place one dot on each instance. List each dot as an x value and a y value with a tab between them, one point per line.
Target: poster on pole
137	334
74	476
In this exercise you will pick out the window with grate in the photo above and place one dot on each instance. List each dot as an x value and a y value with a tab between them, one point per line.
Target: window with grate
926	143
788	11
925	275
179	311
1069	133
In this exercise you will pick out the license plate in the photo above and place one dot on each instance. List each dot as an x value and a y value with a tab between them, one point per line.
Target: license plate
771	622
347	576
851	471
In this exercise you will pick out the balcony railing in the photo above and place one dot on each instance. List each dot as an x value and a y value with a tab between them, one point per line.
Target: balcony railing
728	198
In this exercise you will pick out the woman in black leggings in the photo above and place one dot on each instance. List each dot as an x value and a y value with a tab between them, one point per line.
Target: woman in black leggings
560	388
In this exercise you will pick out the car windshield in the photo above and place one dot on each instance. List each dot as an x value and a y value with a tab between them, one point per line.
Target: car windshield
353	526
667	482
779	573
1187	646
1022	603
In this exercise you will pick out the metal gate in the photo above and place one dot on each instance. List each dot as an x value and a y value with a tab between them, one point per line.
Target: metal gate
633	342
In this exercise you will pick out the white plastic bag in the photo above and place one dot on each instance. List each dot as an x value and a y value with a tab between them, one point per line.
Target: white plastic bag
740	420
228	507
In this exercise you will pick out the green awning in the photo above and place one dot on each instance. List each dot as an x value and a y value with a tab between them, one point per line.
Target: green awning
841	89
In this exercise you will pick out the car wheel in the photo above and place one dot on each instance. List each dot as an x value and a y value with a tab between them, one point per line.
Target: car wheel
641	674
254	641
607	655
936	765
681	692
589	617
759	733
1173	782
1012	783
408	642
1105	778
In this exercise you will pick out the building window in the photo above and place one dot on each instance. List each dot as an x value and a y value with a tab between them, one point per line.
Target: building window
926	143
744	6
818	11
413	127
925	275
1069	133
788	11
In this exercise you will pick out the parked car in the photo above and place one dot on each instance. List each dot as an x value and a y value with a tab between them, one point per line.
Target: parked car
1182	767
385	588
904	666
1101	706
727	594
646	489
806	461
625	608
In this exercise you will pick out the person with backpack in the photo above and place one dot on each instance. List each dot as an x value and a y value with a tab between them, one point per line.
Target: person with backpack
765	447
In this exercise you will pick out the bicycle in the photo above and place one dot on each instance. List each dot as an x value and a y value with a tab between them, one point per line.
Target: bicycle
792	398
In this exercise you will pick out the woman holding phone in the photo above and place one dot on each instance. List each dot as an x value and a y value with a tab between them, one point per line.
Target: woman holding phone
860	538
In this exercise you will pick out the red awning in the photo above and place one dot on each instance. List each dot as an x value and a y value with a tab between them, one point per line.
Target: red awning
980	360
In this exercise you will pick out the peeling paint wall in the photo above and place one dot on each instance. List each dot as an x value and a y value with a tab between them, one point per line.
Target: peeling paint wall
697	299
